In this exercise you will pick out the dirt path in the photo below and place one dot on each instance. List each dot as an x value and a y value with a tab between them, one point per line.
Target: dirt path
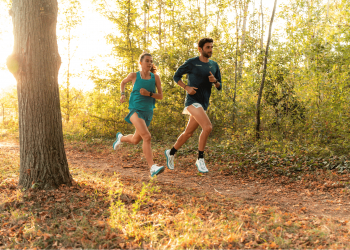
286	197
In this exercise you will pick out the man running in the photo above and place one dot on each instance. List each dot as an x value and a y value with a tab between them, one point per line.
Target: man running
202	74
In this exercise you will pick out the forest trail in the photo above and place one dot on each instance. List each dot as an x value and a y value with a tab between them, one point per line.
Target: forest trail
287	197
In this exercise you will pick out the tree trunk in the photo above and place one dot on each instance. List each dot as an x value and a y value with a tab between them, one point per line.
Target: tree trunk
148	11
244	26
160	25
327	20
236	66
145	26
257	128
35	55
205	17
262	27
68	79
3	114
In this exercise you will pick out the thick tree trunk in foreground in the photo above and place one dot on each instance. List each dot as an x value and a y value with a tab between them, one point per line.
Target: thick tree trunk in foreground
35	63
257	125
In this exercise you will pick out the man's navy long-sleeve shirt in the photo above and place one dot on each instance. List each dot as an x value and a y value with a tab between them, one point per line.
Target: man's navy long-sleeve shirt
198	76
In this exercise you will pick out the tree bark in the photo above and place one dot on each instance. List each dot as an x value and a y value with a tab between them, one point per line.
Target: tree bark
205	17
236	68
145	26
68	79
257	127
262	27
148	11
244	27
36	61
3	114
160	25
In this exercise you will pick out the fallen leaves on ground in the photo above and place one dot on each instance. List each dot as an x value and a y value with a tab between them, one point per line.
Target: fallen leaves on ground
113	211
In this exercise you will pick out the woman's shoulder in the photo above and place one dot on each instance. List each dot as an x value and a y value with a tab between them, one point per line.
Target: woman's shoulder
155	75
132	75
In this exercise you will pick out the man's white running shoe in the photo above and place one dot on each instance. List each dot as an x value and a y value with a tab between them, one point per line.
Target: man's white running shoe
201	166
155	170
117	141
169	159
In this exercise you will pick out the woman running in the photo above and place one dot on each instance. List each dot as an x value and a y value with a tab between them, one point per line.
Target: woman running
141	105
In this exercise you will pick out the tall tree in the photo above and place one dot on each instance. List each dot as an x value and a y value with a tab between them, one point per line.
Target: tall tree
244	27
257	127
262	27
71	14
236	69
160	24
35	62
145	10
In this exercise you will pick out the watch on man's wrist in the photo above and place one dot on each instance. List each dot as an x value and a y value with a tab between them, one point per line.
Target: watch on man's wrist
150	93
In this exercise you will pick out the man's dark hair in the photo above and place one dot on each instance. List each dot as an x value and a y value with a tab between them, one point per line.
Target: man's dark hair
204	41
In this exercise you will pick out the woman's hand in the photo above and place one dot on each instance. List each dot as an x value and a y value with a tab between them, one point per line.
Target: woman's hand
122	98
144	92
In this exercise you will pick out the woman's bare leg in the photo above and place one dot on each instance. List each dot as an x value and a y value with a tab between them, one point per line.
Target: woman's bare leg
132	138
141	131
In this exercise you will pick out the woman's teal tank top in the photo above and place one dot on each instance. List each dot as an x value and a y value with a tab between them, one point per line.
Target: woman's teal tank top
138	101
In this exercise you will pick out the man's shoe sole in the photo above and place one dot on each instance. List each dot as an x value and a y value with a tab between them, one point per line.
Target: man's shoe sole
167	164
159	171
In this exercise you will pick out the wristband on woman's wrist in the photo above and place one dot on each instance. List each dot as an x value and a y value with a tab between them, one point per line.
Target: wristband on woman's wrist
122	93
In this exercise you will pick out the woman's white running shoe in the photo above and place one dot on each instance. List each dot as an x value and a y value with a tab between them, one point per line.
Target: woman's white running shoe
169	159
155	170
117	141
201	166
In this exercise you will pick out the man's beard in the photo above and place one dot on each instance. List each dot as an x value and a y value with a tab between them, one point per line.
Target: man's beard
206	55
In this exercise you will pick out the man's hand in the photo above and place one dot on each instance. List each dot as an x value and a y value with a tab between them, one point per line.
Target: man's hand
144	92
211	77
122	98
191	90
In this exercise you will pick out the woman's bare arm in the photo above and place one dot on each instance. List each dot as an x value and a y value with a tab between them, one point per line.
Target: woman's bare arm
130	78
159	94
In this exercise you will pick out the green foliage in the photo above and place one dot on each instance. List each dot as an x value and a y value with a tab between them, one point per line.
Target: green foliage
280	95
306	98
70	14
72	100
9	110
307	77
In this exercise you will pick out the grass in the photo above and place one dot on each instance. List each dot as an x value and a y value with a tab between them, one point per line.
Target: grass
109	211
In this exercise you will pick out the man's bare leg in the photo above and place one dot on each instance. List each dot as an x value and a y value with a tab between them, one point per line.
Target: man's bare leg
203	120
192	125
198	118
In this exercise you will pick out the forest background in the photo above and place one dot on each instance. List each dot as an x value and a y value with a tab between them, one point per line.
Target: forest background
306	95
